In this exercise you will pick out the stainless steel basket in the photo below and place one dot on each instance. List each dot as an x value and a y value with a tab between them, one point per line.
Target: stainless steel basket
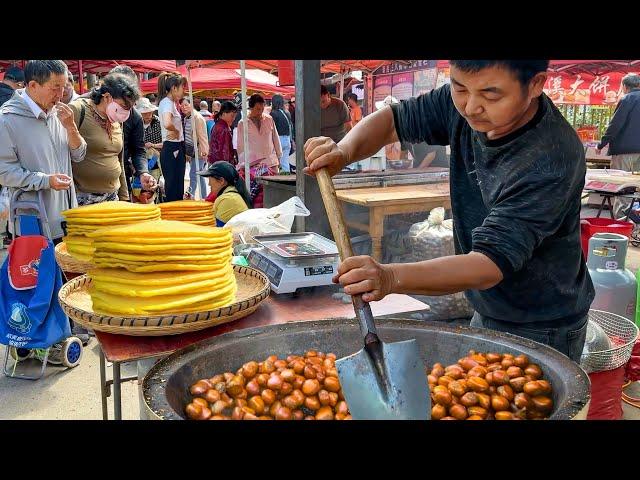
622	335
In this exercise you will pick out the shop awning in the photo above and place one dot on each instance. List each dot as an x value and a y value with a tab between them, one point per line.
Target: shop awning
225	79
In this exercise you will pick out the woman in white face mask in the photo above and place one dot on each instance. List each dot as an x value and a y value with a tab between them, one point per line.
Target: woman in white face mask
100	176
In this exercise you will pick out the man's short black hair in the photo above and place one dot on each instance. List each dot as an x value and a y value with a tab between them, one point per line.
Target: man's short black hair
524	70
255	98
323	90
631	81
124	70
41	70
15	74
353	97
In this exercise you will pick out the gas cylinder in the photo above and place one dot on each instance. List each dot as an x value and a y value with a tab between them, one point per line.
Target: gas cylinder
614	284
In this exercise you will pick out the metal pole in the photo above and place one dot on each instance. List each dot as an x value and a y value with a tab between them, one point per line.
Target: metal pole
80	77
245	125
341	85
194	135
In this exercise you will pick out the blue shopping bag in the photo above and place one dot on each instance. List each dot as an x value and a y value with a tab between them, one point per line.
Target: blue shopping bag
30	314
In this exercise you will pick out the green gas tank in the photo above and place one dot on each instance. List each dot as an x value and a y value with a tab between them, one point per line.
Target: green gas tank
615	285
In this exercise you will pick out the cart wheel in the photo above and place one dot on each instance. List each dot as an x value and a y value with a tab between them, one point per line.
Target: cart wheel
20	354
71	352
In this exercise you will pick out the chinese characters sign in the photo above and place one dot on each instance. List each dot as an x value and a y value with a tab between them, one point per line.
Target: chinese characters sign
584	88
398	67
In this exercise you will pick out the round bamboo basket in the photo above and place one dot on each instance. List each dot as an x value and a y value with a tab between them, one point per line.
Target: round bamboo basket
68	263
253	288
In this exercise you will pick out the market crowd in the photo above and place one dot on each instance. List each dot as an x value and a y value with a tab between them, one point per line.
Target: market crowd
113	143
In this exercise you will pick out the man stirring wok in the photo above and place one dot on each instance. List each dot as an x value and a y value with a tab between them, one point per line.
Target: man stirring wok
517	172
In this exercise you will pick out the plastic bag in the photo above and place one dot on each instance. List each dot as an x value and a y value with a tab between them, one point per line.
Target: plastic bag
5	201
425	240
260	221
606	394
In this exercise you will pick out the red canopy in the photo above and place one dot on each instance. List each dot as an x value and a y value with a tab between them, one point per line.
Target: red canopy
224	79
271	66
103	66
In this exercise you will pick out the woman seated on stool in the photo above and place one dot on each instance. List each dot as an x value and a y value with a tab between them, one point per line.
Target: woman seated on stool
232	196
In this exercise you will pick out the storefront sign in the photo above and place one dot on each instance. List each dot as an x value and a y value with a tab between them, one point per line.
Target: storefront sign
402	86
424	81
381	88
584	88
399	67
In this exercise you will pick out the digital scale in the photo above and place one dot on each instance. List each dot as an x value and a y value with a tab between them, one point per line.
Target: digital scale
295	260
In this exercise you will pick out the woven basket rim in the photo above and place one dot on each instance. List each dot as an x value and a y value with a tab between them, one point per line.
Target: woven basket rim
240	308
68	263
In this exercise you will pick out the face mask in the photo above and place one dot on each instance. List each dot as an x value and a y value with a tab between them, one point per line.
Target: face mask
116	113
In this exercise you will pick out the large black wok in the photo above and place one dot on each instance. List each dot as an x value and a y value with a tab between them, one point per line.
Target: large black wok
166	386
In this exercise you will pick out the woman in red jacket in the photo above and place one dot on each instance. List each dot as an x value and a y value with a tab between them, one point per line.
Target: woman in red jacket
220	143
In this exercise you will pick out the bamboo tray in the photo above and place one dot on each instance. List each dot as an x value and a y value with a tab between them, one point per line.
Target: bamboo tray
253	288
68	263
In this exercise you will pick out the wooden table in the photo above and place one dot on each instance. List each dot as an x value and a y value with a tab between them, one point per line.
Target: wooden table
383	201
314	304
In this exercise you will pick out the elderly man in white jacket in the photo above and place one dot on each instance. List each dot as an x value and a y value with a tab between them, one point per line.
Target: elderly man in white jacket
39	139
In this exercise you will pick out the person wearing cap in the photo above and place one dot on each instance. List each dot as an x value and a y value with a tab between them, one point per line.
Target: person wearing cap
335	120
150	123
232	197
13	79
516	178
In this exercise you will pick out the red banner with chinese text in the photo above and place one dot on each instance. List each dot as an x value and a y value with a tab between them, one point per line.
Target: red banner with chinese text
584	88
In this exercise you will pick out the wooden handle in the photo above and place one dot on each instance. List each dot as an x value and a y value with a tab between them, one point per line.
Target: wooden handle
334	212
341	236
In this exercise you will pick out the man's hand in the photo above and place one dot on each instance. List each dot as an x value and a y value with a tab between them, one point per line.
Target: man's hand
598	151
147	181
59	181
148	145
323	152
364	275
65	115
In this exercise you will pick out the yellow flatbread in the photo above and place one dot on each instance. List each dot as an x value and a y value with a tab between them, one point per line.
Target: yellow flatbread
155	291
160	279
216	257
81	256
82	249
184	204
69	239
155	267
200	241
110	207
130	305
187	248
104	308
161	228
109	221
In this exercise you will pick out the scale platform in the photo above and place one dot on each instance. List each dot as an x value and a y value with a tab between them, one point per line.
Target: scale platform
295	260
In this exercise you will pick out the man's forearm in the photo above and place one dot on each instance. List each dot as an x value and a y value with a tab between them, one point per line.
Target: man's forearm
369	135
445	275
74	138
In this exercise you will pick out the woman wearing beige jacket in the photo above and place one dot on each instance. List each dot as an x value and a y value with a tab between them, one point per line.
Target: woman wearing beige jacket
203	148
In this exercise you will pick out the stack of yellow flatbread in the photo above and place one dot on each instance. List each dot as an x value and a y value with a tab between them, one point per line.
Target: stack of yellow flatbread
161	267
192	211
88	218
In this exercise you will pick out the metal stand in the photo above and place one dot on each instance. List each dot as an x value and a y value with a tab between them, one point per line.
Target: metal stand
23	376
105	388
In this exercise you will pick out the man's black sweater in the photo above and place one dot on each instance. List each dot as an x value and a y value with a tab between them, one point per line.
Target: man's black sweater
516	200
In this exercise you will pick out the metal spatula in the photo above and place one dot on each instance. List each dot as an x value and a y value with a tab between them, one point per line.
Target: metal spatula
383	381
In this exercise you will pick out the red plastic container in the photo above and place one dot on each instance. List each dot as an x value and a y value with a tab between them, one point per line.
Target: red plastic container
591	226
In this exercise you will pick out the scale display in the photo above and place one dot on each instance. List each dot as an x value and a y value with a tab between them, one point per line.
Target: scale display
294	261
